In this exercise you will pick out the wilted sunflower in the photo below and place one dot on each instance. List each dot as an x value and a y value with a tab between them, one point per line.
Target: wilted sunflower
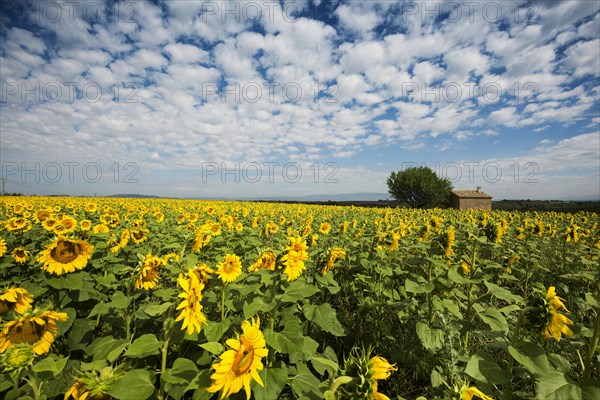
266	260
148	276
230	268
20	255
294	258
65	255
238	366
191	309
17	299
37	328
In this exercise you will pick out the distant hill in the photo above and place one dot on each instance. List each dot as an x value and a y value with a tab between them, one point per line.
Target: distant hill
366	196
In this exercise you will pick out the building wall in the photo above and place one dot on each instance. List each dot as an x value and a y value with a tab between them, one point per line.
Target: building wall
477	204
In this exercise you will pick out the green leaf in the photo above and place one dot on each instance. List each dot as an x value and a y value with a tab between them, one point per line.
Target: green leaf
436	378
101	347
145	345
531	357
49	364
484	368
432	339
455	277
155	310
135	385
325	317
298	290
304	383
259	304
214	331
554	386
492	317
274	380
213	347
324	364
414	287
502	293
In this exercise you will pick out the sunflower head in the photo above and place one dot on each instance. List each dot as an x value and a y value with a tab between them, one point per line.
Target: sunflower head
17	357
230	268
542	315
239	365
65	255
358	367
266	260
94	385
37	328
17	299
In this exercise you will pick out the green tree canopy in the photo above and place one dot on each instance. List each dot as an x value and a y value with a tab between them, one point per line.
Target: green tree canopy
419	187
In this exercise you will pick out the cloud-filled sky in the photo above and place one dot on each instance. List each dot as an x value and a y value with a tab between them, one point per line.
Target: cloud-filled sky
288	98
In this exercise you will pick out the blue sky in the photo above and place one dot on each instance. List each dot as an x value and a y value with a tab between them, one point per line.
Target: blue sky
289	98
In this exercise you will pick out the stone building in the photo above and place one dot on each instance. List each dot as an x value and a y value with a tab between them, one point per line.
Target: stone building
475	199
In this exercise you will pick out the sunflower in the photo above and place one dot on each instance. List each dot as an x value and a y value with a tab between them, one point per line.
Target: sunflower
380	368
94	385
17	299
85	225
65	255
202	271
17	357
543	314
42	215
294	258
467	393
3	247
65	225
148	276
38	329
335	254
448	240
239	365
191	309
230	268
365	371
20	255
266	260
325	228
16	224
91	207
139	236
100	228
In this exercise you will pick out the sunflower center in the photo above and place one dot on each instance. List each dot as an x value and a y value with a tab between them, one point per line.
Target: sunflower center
65	252
26	332
228	267
243	359
138	235
20	253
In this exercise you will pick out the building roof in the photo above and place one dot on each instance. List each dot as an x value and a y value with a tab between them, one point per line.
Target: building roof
471	194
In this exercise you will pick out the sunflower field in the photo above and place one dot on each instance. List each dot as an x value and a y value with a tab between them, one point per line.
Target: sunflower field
179	299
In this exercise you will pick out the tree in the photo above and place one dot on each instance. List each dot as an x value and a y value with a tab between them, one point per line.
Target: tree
420	187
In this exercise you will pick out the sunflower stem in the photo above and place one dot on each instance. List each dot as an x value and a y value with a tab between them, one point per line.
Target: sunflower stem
587	372
511	360
223	302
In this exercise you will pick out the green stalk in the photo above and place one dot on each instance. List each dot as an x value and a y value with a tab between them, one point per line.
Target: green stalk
223	302
167	328
511	361
470	301
37	389
587	372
